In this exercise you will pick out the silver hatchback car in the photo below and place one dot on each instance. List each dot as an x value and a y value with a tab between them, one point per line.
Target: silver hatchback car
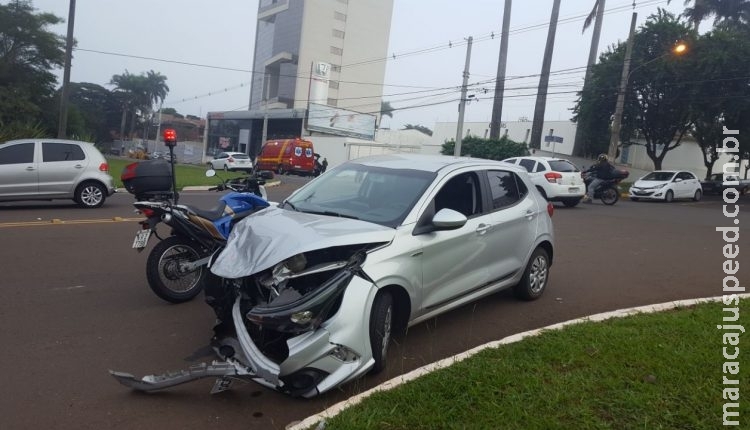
315	287
48	169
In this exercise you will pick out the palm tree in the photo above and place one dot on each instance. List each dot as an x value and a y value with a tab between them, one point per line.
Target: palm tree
725	12
541	96
386	110
126	89
497	106
596	16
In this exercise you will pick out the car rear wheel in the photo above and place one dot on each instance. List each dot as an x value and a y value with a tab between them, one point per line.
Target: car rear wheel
90	195
381	325
280	170
226	168
669	197
697	196
535	277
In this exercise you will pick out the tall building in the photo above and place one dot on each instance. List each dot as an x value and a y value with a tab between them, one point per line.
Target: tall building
314	61
293	35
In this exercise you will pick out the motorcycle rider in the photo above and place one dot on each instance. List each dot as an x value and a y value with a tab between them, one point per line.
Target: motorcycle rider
600	172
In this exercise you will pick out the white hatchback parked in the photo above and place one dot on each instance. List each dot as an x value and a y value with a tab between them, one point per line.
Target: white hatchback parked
557	179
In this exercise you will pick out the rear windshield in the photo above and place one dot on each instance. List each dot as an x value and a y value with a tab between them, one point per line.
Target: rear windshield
658	176
240	156
562	166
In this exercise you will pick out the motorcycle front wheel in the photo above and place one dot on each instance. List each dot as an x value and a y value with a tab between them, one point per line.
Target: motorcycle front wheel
610	196
163	270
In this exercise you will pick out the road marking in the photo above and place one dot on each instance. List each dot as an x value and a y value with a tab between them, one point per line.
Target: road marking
57	221
75	287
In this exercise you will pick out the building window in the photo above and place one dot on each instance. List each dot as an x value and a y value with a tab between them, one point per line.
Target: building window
339	16
335	68
338	33
333	84
337	51
332	102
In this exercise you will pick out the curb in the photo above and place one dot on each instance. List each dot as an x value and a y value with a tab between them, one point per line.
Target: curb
416	373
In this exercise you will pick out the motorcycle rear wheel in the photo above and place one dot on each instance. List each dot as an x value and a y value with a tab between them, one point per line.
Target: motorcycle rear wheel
164	276
610	195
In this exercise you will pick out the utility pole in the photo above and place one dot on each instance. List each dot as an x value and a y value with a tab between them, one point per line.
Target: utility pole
63	120
614	139
462	104
497	105
541	96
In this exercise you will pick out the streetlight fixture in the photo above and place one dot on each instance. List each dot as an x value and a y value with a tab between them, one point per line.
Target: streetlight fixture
614	141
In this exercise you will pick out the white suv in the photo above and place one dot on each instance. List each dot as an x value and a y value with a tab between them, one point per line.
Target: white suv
557	179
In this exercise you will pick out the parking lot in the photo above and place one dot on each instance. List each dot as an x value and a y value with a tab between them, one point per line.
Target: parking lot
75	303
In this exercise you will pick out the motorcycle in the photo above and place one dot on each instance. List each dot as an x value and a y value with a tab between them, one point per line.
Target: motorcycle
176	267
609	190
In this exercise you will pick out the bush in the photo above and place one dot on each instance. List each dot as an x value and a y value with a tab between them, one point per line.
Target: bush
487	148
19	130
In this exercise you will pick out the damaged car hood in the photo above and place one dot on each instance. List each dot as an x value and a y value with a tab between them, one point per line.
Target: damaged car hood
273	235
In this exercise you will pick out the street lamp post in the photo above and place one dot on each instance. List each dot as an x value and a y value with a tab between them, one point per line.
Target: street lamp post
614	140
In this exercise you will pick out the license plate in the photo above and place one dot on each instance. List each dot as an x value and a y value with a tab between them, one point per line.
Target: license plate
141	239
573	189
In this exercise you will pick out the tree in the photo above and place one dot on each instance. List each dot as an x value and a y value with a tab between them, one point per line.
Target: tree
137	95
421	128
726	13
386	110
28	54
719	99
98	109
541	96
596	16
491	149
656	102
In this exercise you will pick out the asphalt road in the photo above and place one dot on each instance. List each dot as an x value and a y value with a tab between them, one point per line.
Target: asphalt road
74	303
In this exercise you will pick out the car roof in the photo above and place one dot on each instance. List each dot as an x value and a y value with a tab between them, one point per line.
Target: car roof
46	140
542	158
429	163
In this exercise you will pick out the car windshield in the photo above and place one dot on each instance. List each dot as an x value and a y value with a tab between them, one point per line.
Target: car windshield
562	166
658	176
375	194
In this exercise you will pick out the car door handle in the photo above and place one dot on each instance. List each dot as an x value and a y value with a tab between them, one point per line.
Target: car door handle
483	228
78	166
530	214
30	168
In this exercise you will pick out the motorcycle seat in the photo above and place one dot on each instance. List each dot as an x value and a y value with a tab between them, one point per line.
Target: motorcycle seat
211	214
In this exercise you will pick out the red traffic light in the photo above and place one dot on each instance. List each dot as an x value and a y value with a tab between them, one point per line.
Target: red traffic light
170	135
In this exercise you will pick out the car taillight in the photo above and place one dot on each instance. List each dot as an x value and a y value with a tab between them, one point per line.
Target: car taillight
550	209
230	159
553	177
104	167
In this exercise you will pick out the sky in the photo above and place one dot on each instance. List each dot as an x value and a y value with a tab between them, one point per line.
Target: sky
208	48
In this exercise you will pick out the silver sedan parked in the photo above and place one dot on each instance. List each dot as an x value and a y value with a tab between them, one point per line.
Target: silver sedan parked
47	169
316	287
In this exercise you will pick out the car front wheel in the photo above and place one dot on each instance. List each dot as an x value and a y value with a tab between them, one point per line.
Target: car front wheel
697	196
381	325
535	277
669	197
90	195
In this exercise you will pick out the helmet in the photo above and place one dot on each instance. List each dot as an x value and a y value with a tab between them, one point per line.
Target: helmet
602	158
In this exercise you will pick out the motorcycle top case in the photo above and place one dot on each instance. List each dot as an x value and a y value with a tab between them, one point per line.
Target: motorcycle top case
149	176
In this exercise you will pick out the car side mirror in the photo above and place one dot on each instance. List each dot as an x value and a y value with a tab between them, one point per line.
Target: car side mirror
678	180
448	219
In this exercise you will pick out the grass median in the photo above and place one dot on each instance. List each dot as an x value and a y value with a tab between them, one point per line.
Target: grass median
649	371
187	174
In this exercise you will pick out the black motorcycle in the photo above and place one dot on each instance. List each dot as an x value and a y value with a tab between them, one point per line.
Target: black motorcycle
608	191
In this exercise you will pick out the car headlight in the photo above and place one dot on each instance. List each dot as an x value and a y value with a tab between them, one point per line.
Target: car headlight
660	186
305	313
